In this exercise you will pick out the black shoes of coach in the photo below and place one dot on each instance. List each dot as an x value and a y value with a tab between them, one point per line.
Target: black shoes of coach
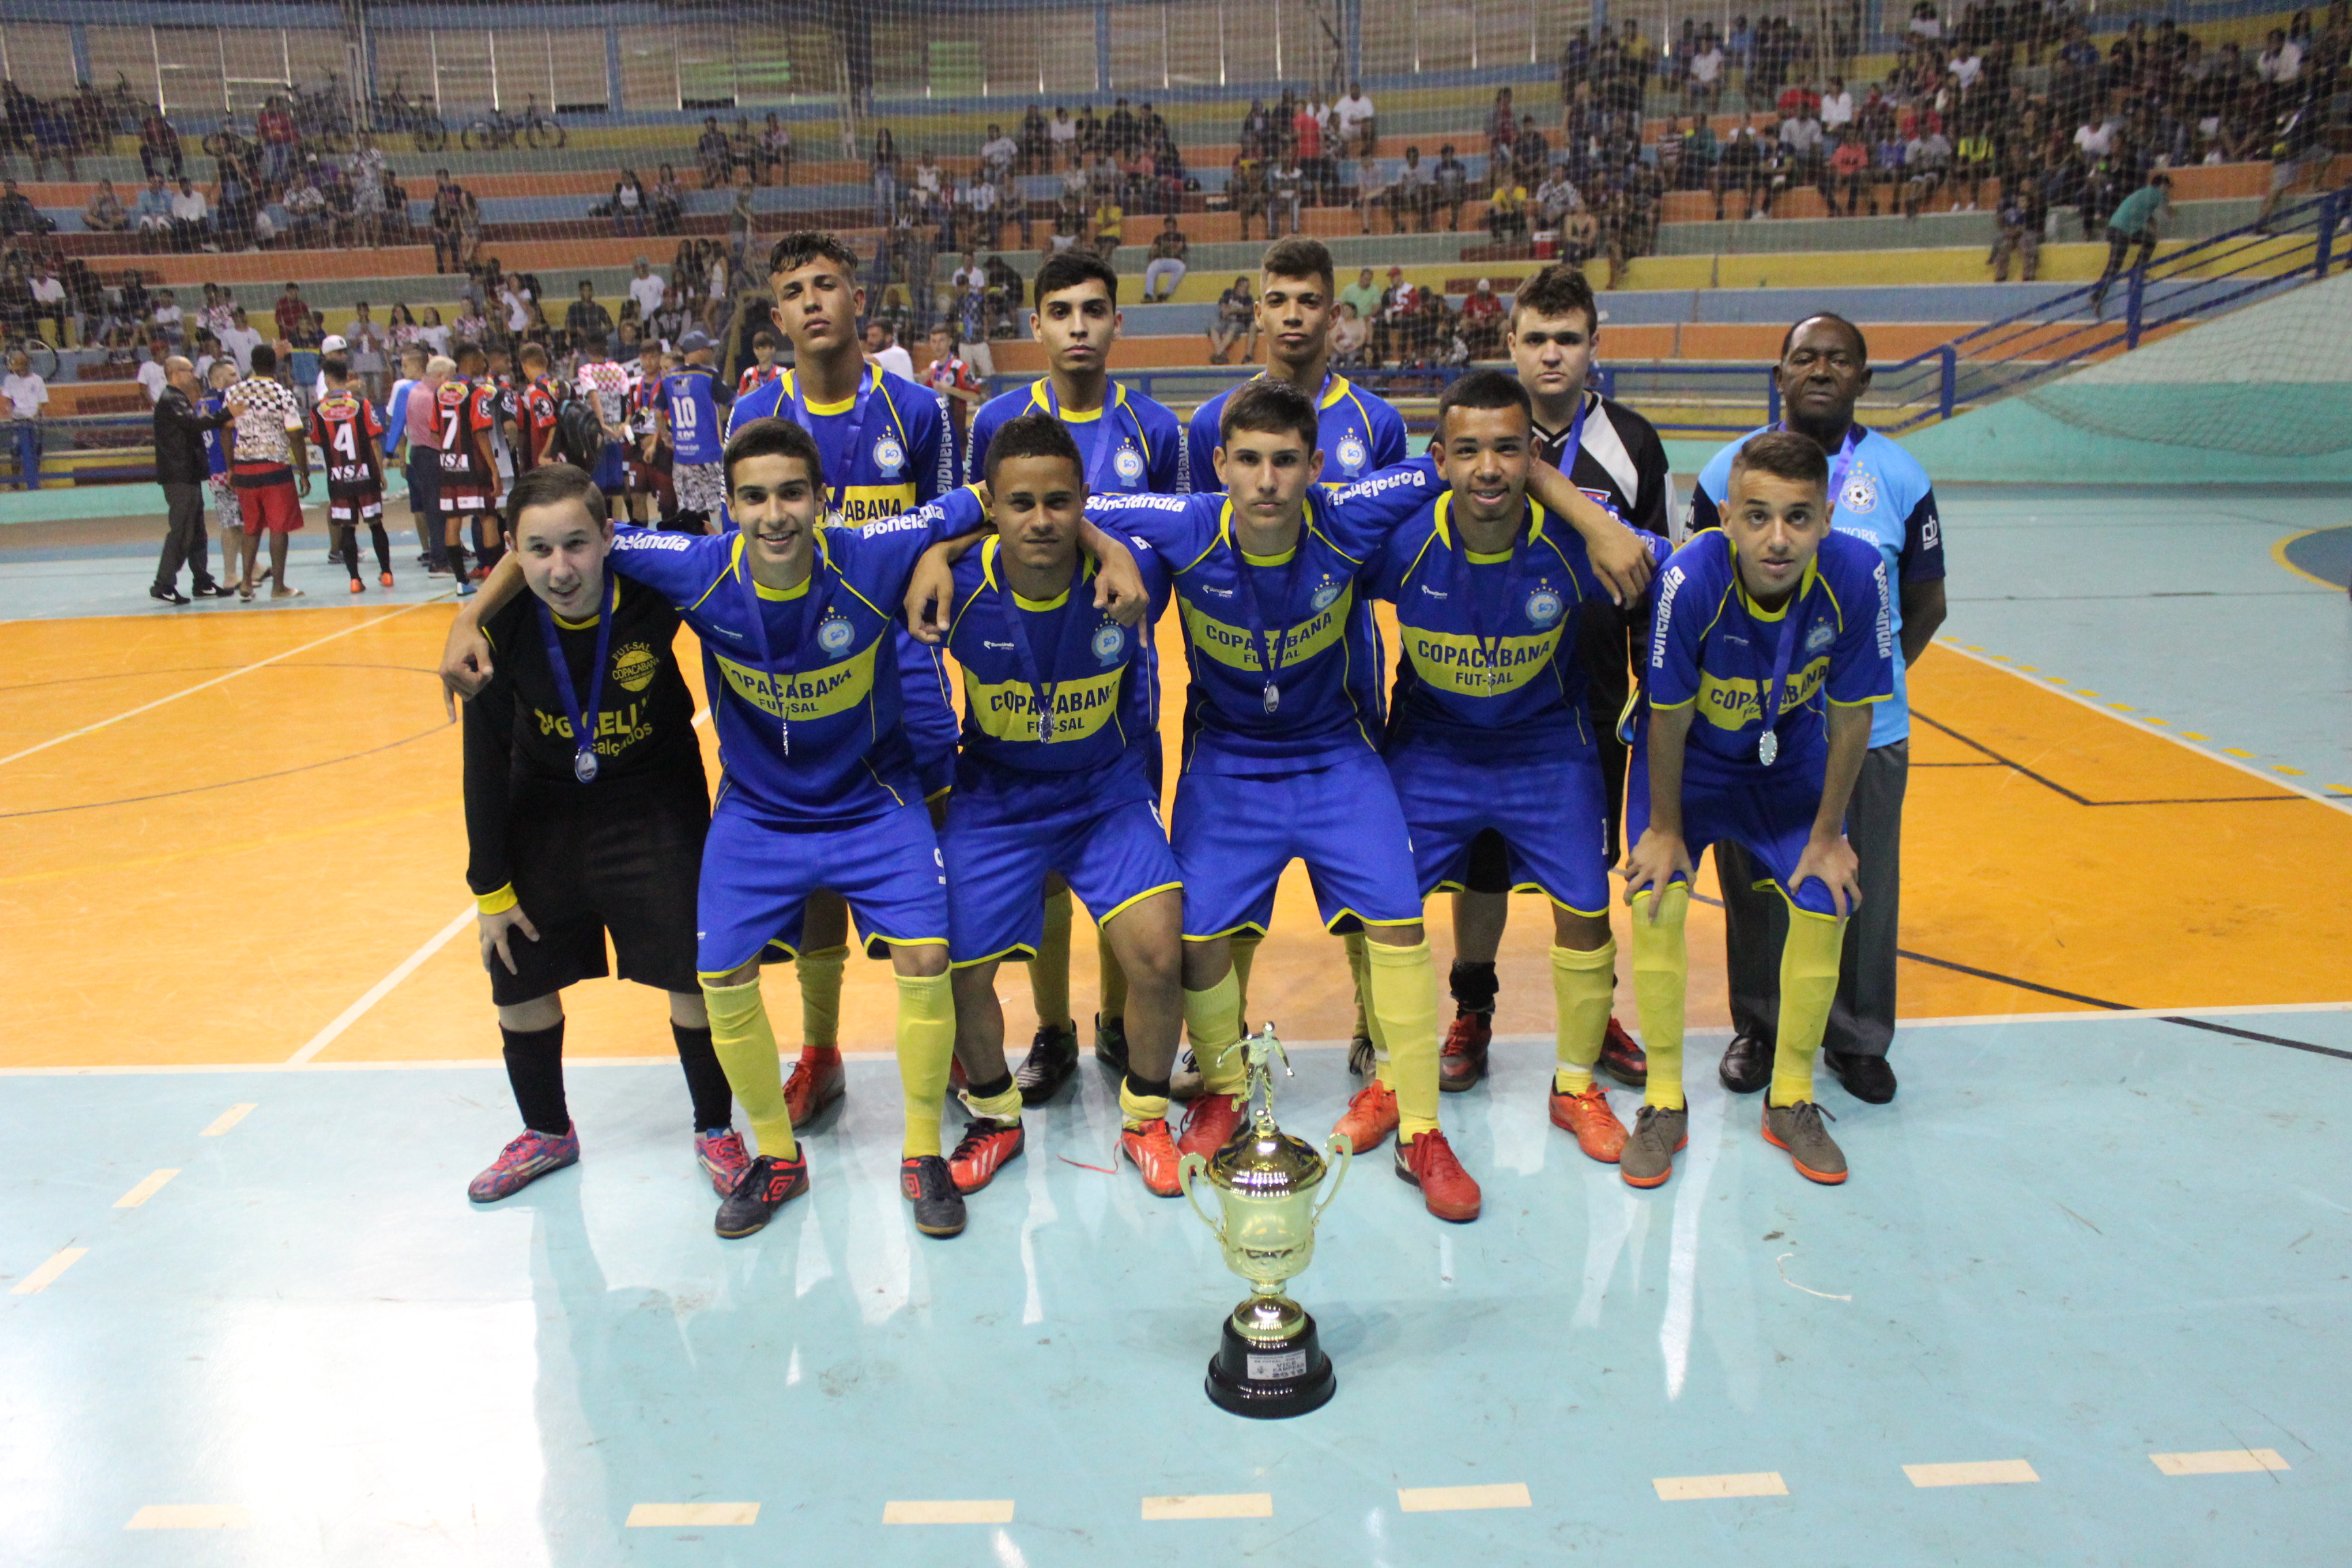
1052	1057
1867	1079
930	1185
766	1187
1746	1064
167	595
214	591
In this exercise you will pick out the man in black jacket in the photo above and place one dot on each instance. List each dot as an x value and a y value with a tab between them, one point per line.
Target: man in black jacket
182	469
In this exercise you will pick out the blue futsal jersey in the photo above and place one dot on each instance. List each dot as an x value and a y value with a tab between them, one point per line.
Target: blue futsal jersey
1359	433
1131	444
1884	496
809	729
1710	645
1304	612
1483	633
696	430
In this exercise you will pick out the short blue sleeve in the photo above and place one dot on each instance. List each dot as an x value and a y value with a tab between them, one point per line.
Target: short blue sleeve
1359	518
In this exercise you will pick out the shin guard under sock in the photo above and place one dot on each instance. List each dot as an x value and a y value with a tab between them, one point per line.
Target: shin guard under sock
820	976
1584	984
1660	982
925	1047
746	1048
1245	946
1213	1023
1403	985
535	1071
1049	971
1808	979
1354	942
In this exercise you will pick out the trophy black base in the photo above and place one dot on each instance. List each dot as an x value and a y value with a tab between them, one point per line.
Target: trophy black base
1269	1379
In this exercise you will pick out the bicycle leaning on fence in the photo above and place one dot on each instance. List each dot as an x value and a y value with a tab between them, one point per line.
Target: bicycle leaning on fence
533	128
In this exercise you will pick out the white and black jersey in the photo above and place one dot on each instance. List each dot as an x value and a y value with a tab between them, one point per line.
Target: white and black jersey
1620	462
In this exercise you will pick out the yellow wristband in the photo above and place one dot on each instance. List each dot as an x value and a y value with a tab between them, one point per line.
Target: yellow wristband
497	903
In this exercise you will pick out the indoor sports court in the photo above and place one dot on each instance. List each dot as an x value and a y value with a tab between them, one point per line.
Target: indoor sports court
2084	1298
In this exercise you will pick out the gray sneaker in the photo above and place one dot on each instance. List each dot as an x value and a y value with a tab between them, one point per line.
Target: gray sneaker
1649	1155
1797	1128
1184	1082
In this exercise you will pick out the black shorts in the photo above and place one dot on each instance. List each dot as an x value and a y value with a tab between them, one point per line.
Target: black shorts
628	865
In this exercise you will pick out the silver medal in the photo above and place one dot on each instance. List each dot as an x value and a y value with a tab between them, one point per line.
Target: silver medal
785	730
1273	698
1044	729
1768	747
583	766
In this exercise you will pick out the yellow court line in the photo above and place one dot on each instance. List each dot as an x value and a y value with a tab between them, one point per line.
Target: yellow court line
2177	737
2278	553
215	680
1703	1488
331	830
973	1510
41	1279
226	1119
671	1515
191	1516
1448	1500
1229	1504
2219	1462
144	1190
1973	1473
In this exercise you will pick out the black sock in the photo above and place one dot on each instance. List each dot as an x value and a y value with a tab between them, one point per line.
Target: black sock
991	1090
535	1069
458	561
1146	1088
1473	985
705	1080
383	547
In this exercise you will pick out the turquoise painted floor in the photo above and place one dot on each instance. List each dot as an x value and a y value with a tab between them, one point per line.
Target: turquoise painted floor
2067	1246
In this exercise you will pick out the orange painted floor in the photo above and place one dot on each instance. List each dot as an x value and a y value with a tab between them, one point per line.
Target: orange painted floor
218	832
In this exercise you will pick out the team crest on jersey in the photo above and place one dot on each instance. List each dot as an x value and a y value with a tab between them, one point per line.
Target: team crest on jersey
1324	592
1861	494
1352	454
889	457
1110	641
1128	463
835	634
1544	607
634	665
1820	637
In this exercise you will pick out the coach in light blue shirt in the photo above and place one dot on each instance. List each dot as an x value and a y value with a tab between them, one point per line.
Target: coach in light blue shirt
1880	493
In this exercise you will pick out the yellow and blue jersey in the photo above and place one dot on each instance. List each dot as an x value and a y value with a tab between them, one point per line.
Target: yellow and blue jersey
696	433
834	683
1713	647
1885	499
1305	612
1131	444
1359	434
894	460
1483	633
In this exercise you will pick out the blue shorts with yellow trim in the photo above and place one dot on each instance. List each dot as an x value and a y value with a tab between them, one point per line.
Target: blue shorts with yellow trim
1769	812
1551	812
998	853
1233	833
758	873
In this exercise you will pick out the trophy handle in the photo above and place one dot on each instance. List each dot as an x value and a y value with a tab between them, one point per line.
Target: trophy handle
1190	1166
1346	1151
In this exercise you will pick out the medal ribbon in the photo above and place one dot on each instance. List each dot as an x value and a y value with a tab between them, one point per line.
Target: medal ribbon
1465	584
1243	572
836	490
1107	434
1041	691
749	592
1784	650
584	758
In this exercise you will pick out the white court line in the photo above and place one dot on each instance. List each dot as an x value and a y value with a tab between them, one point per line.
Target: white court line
1704	1489
1971	1473
670	1515
973	1510
382	989
1449	1500
1229	1504
227	1119
191	1516
144	1190
2333	802
2219	1462
215	680
41	1279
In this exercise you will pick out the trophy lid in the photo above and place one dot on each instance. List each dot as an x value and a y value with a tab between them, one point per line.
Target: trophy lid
1266	1162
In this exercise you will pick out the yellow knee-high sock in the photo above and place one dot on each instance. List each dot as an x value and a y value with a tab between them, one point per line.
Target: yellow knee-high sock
1584	984
925	1047
1049	971
1245	946
1354	940
1135	1110
1402	983
1113	978
1660	982
1808	979
1213	1023
746	1047
820	976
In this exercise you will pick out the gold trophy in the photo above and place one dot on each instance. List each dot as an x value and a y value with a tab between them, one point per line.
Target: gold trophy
1270	1363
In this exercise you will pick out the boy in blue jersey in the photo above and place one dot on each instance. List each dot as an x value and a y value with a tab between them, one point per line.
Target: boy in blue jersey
1059	777
1774	638
1880	495
687	420
887	451
798	624
1488	734
1127	443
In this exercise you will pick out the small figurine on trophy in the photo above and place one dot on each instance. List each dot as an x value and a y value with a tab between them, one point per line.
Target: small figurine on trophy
1269	1363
